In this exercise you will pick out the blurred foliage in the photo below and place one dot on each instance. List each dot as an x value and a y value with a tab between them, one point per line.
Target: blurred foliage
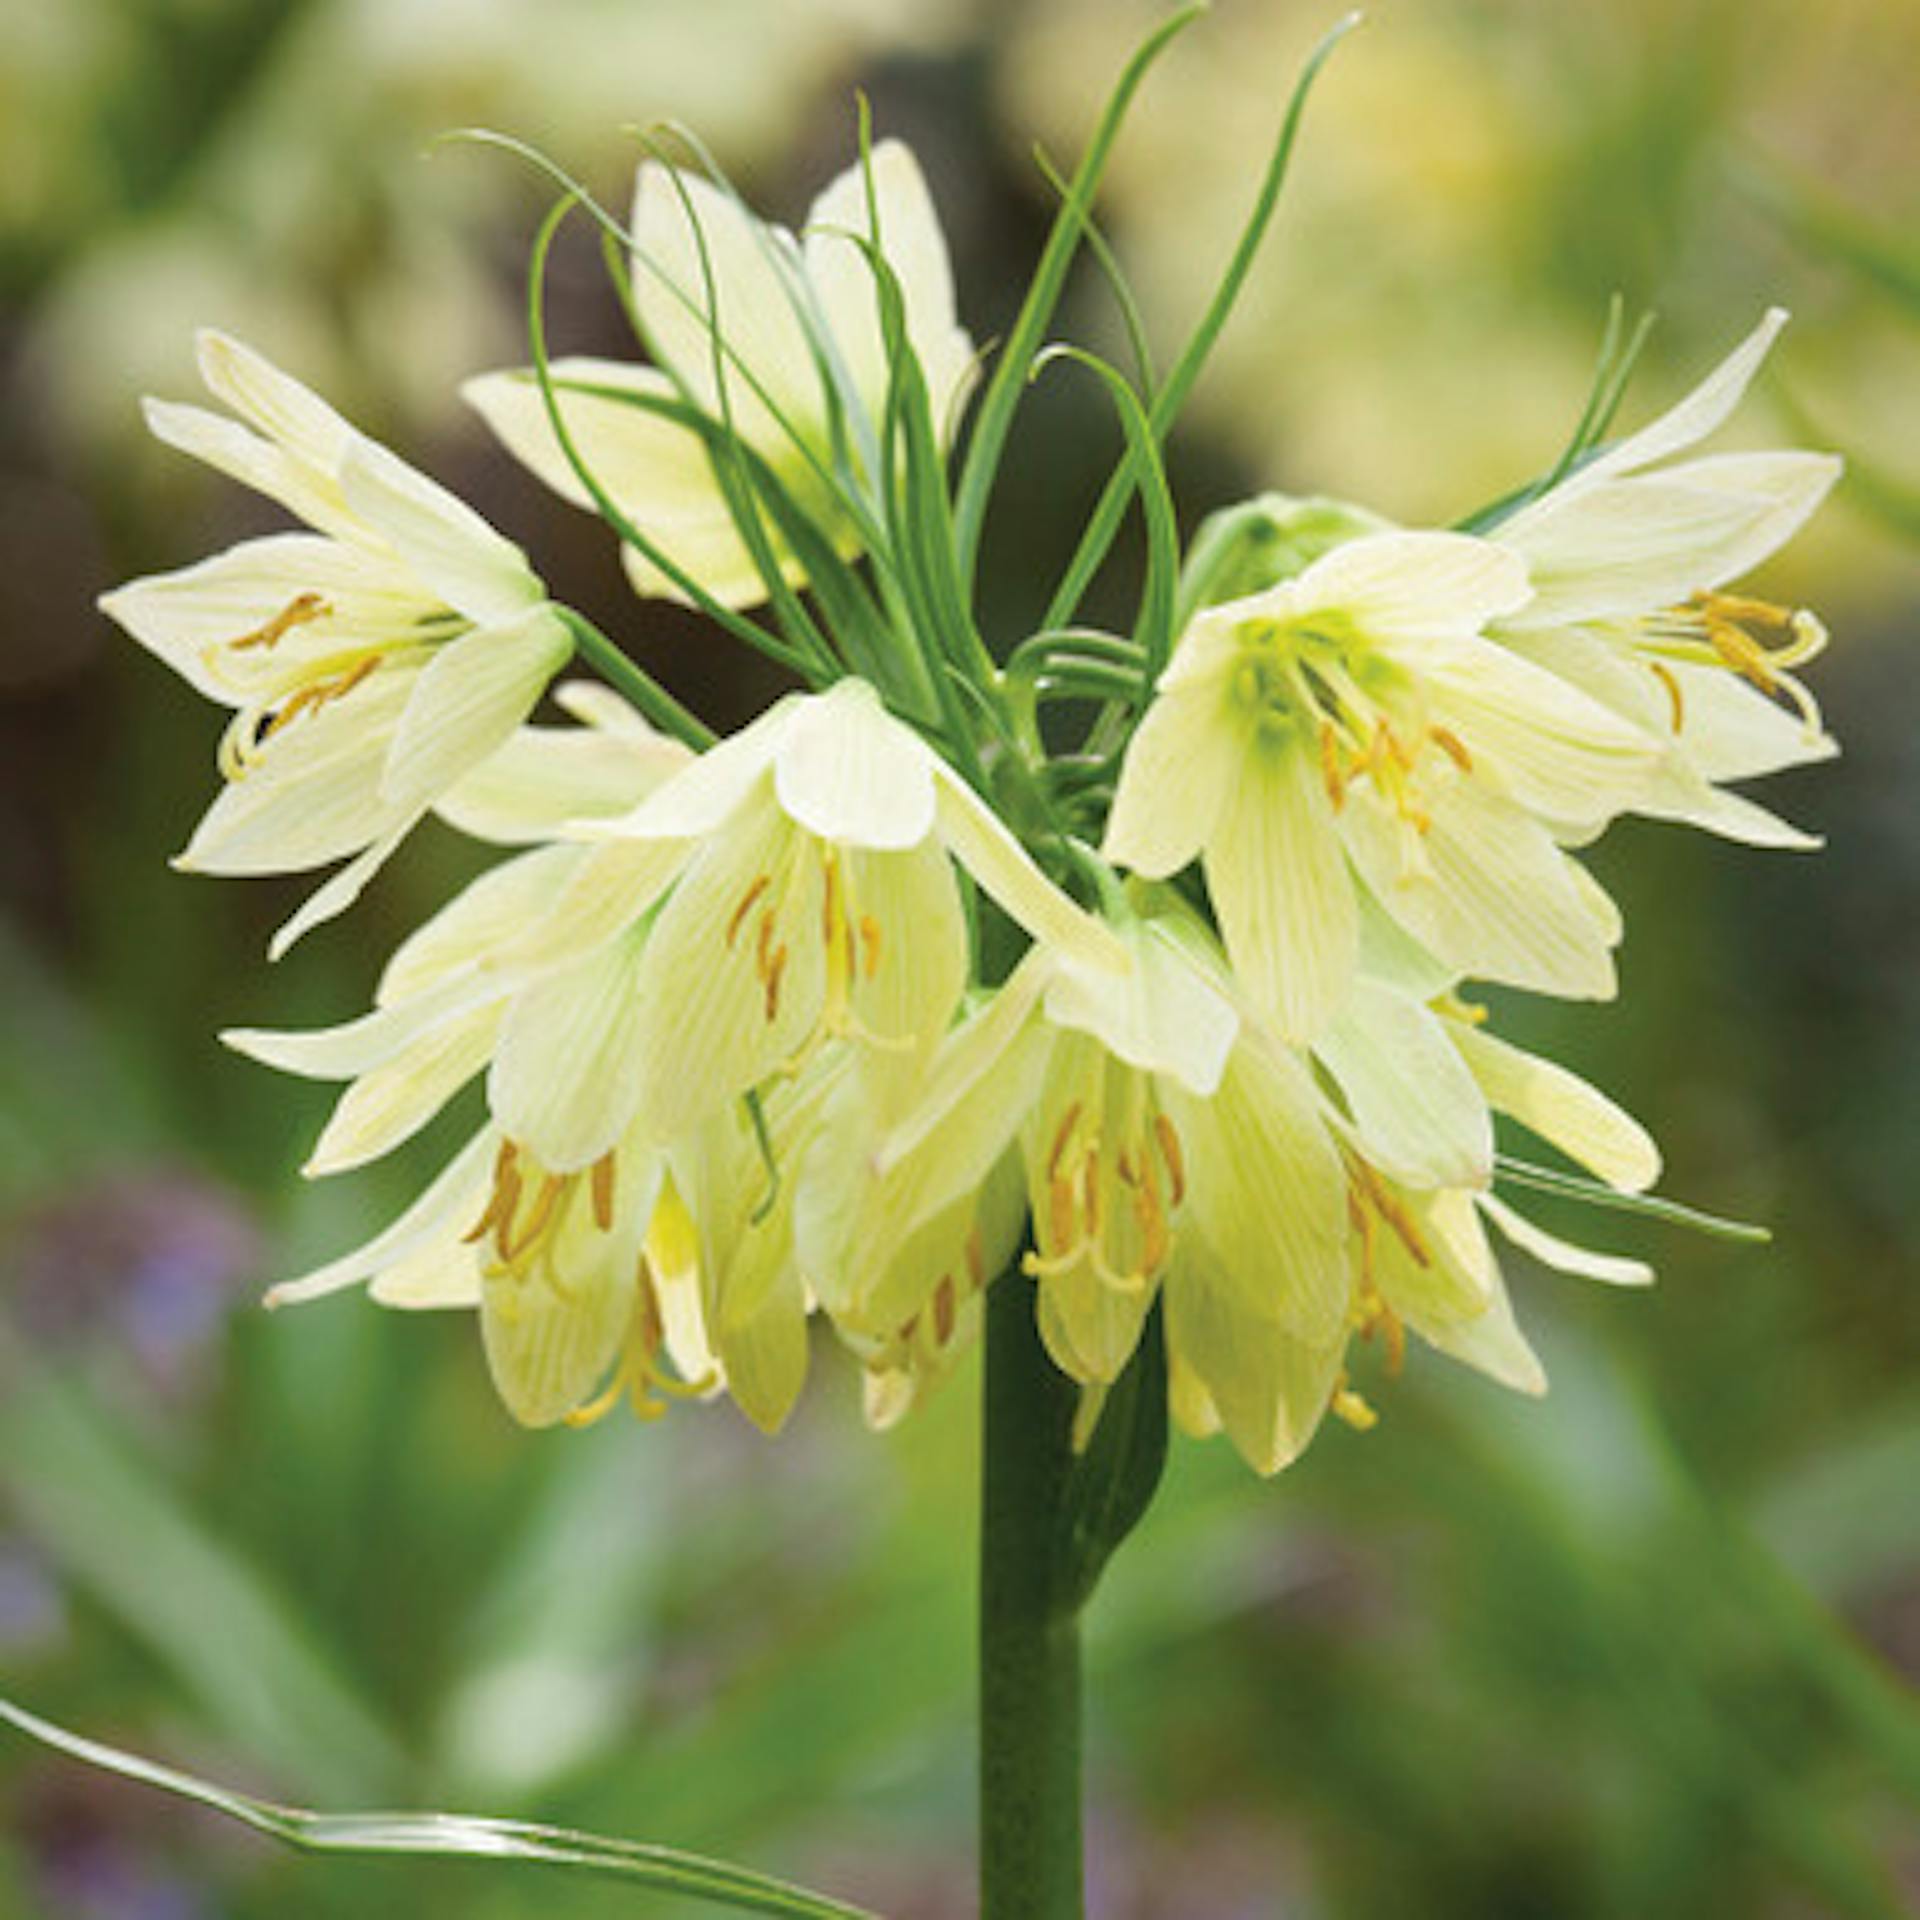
1644	1650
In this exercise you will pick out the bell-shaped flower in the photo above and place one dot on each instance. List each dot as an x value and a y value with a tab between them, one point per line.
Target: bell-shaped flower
1420	1085
792	331
574	1316
1171	1147
1629	558
370	663
1351	734
810	897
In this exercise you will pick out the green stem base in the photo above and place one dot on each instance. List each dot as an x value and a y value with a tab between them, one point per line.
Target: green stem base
1030	1845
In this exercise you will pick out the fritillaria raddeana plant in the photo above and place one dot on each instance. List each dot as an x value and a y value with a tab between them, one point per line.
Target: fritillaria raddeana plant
1104	998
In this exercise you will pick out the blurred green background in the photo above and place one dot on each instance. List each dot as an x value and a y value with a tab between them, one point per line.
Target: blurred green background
1644	1650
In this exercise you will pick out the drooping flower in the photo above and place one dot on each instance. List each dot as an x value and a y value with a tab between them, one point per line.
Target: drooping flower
370	663
1629	557
1420	1085
451	1000
1171	1149
1350	735
812	900
801	366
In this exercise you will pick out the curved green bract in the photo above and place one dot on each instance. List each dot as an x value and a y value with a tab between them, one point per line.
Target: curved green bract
457	1836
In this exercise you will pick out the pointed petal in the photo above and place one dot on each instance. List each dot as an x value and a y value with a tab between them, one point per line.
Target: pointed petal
444	543
545	777
915	249
1557	752
397	1098
706	794
655	471
1707	407
752	305
1562	1255
1266	1190
715	1026
549	1350
911	960
435	1275
359	1046
851	773
1174	783
1410	586
977	838
339	892
313	794
1626	547
466	703
610	889
478	921
1494	1345
441	1212
1268	1389
288	413
566	1071
1490	893
1279	880
229	448
1420	1113
193	617
1562	1108
1161	1015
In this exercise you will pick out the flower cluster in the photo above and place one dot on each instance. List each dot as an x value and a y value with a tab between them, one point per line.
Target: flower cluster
1134	969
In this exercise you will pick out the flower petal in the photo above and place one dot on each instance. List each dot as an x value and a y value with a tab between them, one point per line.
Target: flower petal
1175	782
1707	407
467	702
1420	1113
916	250
1279	880
752	305
444	543
1266	1190
1268	1389
848	771
566	1070
397	1098
544	777
1562	1108
1162	1014
1562	1255
441	1212
979	840
1410	586
478	921
1489	893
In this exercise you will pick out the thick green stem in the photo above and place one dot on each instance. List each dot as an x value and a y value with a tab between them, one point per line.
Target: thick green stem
1029	1626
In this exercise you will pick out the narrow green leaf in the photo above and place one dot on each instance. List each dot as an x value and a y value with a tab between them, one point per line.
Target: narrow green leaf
456	1836
995	419
1573	1186
1105	523
93	1502
1111	1485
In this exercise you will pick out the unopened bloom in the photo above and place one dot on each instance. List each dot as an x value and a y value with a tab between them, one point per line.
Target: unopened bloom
1350	734
1629	557
370	663
790	348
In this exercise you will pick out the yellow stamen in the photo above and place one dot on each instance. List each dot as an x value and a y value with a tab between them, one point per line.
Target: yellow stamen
298	611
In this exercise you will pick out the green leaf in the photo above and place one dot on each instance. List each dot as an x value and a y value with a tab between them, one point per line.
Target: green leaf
456	1836
1573	1186
1105	523
995	419
1111	1485
99	1511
